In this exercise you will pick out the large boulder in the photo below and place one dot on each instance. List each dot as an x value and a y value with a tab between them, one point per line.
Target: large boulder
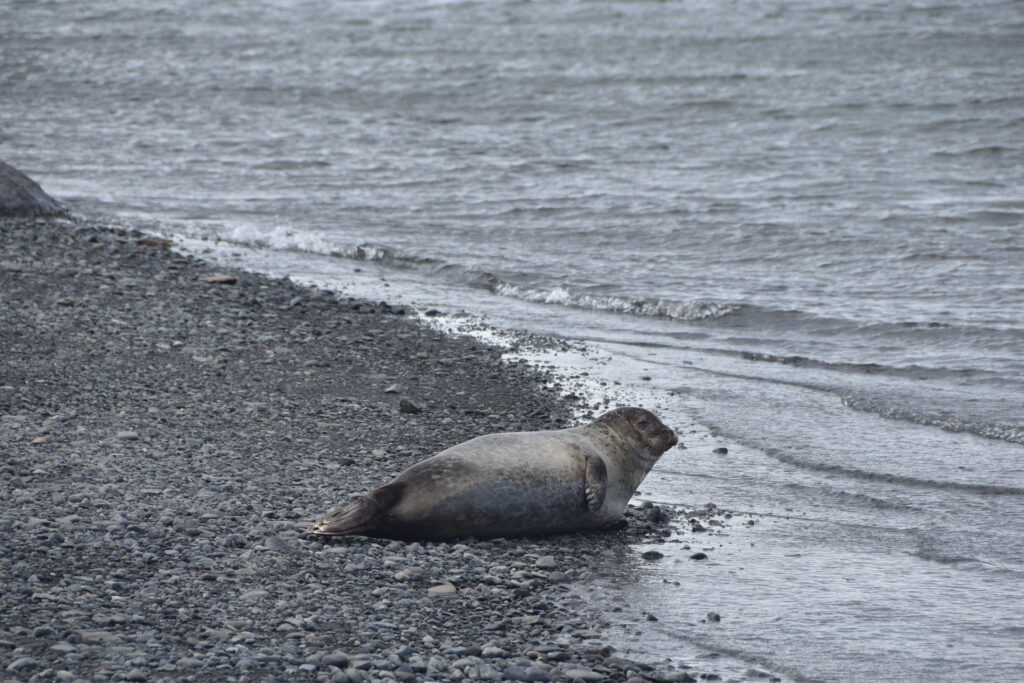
21	196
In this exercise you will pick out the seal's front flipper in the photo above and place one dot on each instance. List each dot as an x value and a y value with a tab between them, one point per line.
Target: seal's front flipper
595	482
363	517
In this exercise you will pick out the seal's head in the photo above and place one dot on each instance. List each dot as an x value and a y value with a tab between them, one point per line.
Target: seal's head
639	428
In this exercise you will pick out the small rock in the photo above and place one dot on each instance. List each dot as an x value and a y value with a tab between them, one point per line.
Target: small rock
583	675
656	515
652	555
338	659
620	663
436	664
219	279
518	673
698	556
410	574
714	617
39	441
443	589
681	677
152	242
722	450
135	675
128	436
253	595
189	662
586	633
407	406
546	562
393	389
22	663
279	544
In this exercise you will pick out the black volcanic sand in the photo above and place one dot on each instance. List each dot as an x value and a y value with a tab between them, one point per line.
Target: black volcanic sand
166	439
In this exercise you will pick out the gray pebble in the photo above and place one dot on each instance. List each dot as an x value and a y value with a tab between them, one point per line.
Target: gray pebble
546	562
532	673
559	577
338	659
408	407
22	663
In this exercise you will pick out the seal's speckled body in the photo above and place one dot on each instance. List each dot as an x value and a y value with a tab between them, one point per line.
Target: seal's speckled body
514	483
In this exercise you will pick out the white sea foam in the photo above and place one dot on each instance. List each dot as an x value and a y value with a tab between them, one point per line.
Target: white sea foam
285	238
689	310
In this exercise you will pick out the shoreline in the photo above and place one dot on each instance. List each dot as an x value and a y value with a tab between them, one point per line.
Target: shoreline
168	437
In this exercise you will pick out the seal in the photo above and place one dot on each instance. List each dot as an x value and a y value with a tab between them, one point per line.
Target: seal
514	484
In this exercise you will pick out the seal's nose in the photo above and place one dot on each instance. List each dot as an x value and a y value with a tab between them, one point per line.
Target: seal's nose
673	440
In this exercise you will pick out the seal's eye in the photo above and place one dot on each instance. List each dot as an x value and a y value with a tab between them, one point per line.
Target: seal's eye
643	424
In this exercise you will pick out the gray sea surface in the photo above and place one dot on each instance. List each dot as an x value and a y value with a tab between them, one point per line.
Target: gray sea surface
804	221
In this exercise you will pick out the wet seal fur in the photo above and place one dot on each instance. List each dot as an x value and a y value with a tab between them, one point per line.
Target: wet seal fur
514	484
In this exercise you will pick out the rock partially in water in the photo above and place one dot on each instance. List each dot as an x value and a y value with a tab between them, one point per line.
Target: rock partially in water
20	196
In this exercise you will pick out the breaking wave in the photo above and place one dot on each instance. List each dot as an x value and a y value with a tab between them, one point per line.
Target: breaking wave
288	240
658	308
533	288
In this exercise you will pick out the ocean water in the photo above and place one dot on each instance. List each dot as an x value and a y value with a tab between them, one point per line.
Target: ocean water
803	221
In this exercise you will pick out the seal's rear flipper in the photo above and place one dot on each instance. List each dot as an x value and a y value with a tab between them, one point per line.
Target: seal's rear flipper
361	517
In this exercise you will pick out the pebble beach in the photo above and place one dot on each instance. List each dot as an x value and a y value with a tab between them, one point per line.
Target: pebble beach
169	429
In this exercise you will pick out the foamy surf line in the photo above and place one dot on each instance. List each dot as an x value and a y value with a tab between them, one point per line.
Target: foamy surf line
288	240
706	314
